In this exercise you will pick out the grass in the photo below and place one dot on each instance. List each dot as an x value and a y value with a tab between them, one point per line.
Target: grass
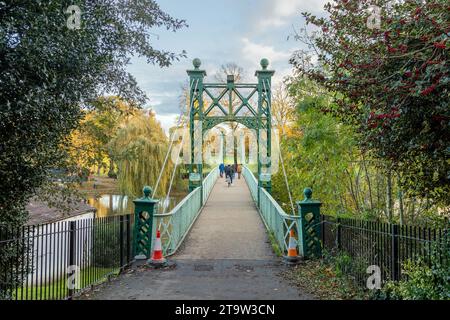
58	290
273	242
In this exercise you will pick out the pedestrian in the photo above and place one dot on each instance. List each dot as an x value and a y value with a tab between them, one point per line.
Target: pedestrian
227	174
239	170
221	169
232	173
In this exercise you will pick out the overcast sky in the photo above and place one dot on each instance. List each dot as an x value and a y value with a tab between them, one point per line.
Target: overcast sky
240	31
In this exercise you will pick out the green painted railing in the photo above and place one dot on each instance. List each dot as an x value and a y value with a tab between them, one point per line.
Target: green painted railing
208	183
175	225
275	219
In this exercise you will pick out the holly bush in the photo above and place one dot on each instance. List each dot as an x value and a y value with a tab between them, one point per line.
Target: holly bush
391	83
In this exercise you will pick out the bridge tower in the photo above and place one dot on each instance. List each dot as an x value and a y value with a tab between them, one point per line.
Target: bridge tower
202	117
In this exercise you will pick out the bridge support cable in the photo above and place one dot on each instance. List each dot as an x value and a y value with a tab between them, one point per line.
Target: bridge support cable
282	162
174	172
177	161
172	138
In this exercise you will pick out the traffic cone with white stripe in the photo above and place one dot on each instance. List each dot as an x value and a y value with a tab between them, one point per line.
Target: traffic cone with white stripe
157	258
292	256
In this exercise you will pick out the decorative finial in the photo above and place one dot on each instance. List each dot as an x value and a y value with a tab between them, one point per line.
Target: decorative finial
147	191
308	193
264	63
196	62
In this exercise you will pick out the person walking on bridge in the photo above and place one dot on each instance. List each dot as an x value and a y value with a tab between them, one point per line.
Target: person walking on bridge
232	173
239	170
221	169
229	174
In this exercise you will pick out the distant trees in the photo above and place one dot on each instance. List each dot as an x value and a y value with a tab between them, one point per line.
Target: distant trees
89	143
283	108
231	68
139	148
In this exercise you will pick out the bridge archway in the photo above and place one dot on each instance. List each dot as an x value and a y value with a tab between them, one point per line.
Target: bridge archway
232	142
203	117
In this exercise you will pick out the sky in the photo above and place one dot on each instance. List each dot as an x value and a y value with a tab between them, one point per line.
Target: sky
219	32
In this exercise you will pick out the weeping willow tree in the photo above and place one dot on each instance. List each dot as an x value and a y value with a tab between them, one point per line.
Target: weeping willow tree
139	149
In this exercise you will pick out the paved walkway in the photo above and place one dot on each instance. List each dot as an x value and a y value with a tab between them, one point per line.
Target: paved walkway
227	255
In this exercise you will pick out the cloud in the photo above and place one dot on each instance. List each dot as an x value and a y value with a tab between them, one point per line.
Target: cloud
255	52
167	121
276	13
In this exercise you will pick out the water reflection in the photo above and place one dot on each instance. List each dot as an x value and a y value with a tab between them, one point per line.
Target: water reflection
116	204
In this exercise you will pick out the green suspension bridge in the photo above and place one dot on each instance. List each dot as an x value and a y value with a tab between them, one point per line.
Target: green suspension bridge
206	190
219	235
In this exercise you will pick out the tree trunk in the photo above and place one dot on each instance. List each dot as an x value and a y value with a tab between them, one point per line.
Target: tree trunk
389	204
111	167
369	186
400	201
352	191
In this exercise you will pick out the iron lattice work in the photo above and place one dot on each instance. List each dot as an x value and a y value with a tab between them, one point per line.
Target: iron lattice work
204	116
310	225
145	209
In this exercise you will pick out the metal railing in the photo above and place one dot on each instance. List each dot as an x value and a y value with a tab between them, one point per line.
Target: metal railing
175	225
208	183
276	220
58	260
385	245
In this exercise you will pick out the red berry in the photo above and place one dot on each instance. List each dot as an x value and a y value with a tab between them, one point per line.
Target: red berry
439	45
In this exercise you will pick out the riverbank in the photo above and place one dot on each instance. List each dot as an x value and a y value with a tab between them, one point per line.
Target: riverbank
99	185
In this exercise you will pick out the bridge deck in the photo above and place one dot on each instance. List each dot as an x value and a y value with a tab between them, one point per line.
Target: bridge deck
229	227
225	256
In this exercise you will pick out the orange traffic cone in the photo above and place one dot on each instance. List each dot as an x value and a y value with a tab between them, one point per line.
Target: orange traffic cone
157	258
292	256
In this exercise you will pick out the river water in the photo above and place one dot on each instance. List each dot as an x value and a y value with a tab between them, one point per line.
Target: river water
116	204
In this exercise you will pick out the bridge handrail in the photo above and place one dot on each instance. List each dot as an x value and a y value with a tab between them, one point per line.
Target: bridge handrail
209	181
276	220
175	224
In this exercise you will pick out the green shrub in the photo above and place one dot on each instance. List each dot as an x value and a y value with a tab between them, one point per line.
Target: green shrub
106	246
423	281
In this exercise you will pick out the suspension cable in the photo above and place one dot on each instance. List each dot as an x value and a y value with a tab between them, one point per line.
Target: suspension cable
173	135
177	161
172	138
173	173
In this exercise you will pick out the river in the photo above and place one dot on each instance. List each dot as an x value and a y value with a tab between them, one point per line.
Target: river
116	204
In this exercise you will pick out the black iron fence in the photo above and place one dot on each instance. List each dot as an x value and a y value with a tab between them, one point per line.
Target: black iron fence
58	260
387	246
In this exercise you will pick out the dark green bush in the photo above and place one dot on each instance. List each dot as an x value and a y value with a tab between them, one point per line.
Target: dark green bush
423	281
106	253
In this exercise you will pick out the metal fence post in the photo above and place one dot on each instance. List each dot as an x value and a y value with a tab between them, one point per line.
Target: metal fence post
72	250
121	228
128	227
395	255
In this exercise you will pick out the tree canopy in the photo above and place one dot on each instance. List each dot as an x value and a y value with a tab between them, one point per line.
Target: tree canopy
391	83
49	72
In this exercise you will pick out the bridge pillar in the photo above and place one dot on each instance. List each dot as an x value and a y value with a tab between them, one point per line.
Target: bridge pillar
264	134
309	228
196	124
144	209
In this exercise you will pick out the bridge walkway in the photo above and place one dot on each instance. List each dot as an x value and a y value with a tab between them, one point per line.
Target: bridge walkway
226	255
